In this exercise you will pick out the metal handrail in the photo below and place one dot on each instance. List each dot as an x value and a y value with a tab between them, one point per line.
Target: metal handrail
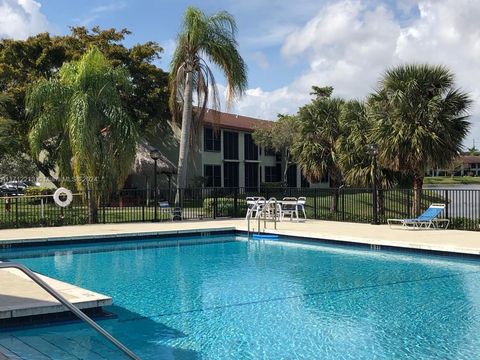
249	215
262	212
70	306
267	204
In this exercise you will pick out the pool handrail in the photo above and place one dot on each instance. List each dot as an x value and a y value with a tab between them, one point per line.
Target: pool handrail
69	306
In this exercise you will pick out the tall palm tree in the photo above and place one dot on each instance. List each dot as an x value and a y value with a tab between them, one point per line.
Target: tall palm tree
202	38
316	149
420	120
355	157
81	112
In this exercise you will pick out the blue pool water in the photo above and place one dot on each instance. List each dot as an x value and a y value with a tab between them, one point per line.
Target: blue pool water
226	298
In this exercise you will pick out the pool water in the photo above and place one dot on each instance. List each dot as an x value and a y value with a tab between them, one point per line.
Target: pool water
223	297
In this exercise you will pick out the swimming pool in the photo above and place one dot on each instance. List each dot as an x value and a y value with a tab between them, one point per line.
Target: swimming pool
222	297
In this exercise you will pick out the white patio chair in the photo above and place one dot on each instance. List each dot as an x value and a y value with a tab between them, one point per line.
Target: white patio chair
301	205
289	208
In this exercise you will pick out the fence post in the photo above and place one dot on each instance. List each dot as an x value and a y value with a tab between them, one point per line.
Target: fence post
446	204
315	204
342	195
16	211
143	206
235	203
103	209
409	207
215	199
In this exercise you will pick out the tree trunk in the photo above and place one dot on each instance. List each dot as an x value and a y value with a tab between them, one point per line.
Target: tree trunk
284	167
335	195
92	207
46	172
417	194
381	202
185	137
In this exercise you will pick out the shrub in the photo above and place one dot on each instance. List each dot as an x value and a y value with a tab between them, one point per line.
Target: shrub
271	185
38	190
225	206
464	223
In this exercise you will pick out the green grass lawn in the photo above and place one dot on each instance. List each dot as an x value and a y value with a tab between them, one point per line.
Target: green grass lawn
353	205
449	180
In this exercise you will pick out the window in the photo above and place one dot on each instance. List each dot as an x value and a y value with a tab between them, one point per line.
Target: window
251	175
211	140
303	181
251	149
230	174
273	173
213	173
230	145
292	176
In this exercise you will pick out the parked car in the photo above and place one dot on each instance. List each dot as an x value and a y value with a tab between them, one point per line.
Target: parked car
14	187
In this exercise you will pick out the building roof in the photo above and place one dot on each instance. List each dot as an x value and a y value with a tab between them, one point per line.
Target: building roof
144	163
232	121
470	159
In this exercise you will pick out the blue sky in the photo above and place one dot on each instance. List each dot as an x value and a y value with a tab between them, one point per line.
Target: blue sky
259	37
291	45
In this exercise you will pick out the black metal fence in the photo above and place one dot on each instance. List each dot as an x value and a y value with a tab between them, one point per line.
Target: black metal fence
344	204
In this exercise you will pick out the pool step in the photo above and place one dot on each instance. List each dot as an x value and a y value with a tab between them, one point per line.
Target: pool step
56	347
22	298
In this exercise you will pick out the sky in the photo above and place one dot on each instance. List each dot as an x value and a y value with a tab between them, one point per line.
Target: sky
291	45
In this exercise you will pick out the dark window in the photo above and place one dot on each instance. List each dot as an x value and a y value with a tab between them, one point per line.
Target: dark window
251	149
278	156
292	176
272	173
211	140
213	173
230	145
304	182
230	174
251	175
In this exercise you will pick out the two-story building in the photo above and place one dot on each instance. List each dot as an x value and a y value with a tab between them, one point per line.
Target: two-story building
464	165
226	156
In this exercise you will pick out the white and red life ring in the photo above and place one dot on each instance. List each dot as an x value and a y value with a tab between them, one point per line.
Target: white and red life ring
65	192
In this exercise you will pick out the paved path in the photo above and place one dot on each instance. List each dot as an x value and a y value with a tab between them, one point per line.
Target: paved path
442	240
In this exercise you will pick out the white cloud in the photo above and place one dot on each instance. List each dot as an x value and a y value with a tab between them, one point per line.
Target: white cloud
100	11
348	44
260	59
115	6
21	18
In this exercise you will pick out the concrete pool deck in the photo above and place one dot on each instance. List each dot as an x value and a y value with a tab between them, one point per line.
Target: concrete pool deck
455	241
21	297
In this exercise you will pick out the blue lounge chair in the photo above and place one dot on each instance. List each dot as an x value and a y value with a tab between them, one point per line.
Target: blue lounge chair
429	219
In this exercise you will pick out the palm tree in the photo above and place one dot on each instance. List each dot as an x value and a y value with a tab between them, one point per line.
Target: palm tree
202	38
316	149
81	112
420	120
355	157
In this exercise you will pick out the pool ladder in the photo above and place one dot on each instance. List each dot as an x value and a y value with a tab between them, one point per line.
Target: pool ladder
263	212
69	306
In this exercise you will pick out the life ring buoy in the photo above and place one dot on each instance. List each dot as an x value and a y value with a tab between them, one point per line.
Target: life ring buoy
63	191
